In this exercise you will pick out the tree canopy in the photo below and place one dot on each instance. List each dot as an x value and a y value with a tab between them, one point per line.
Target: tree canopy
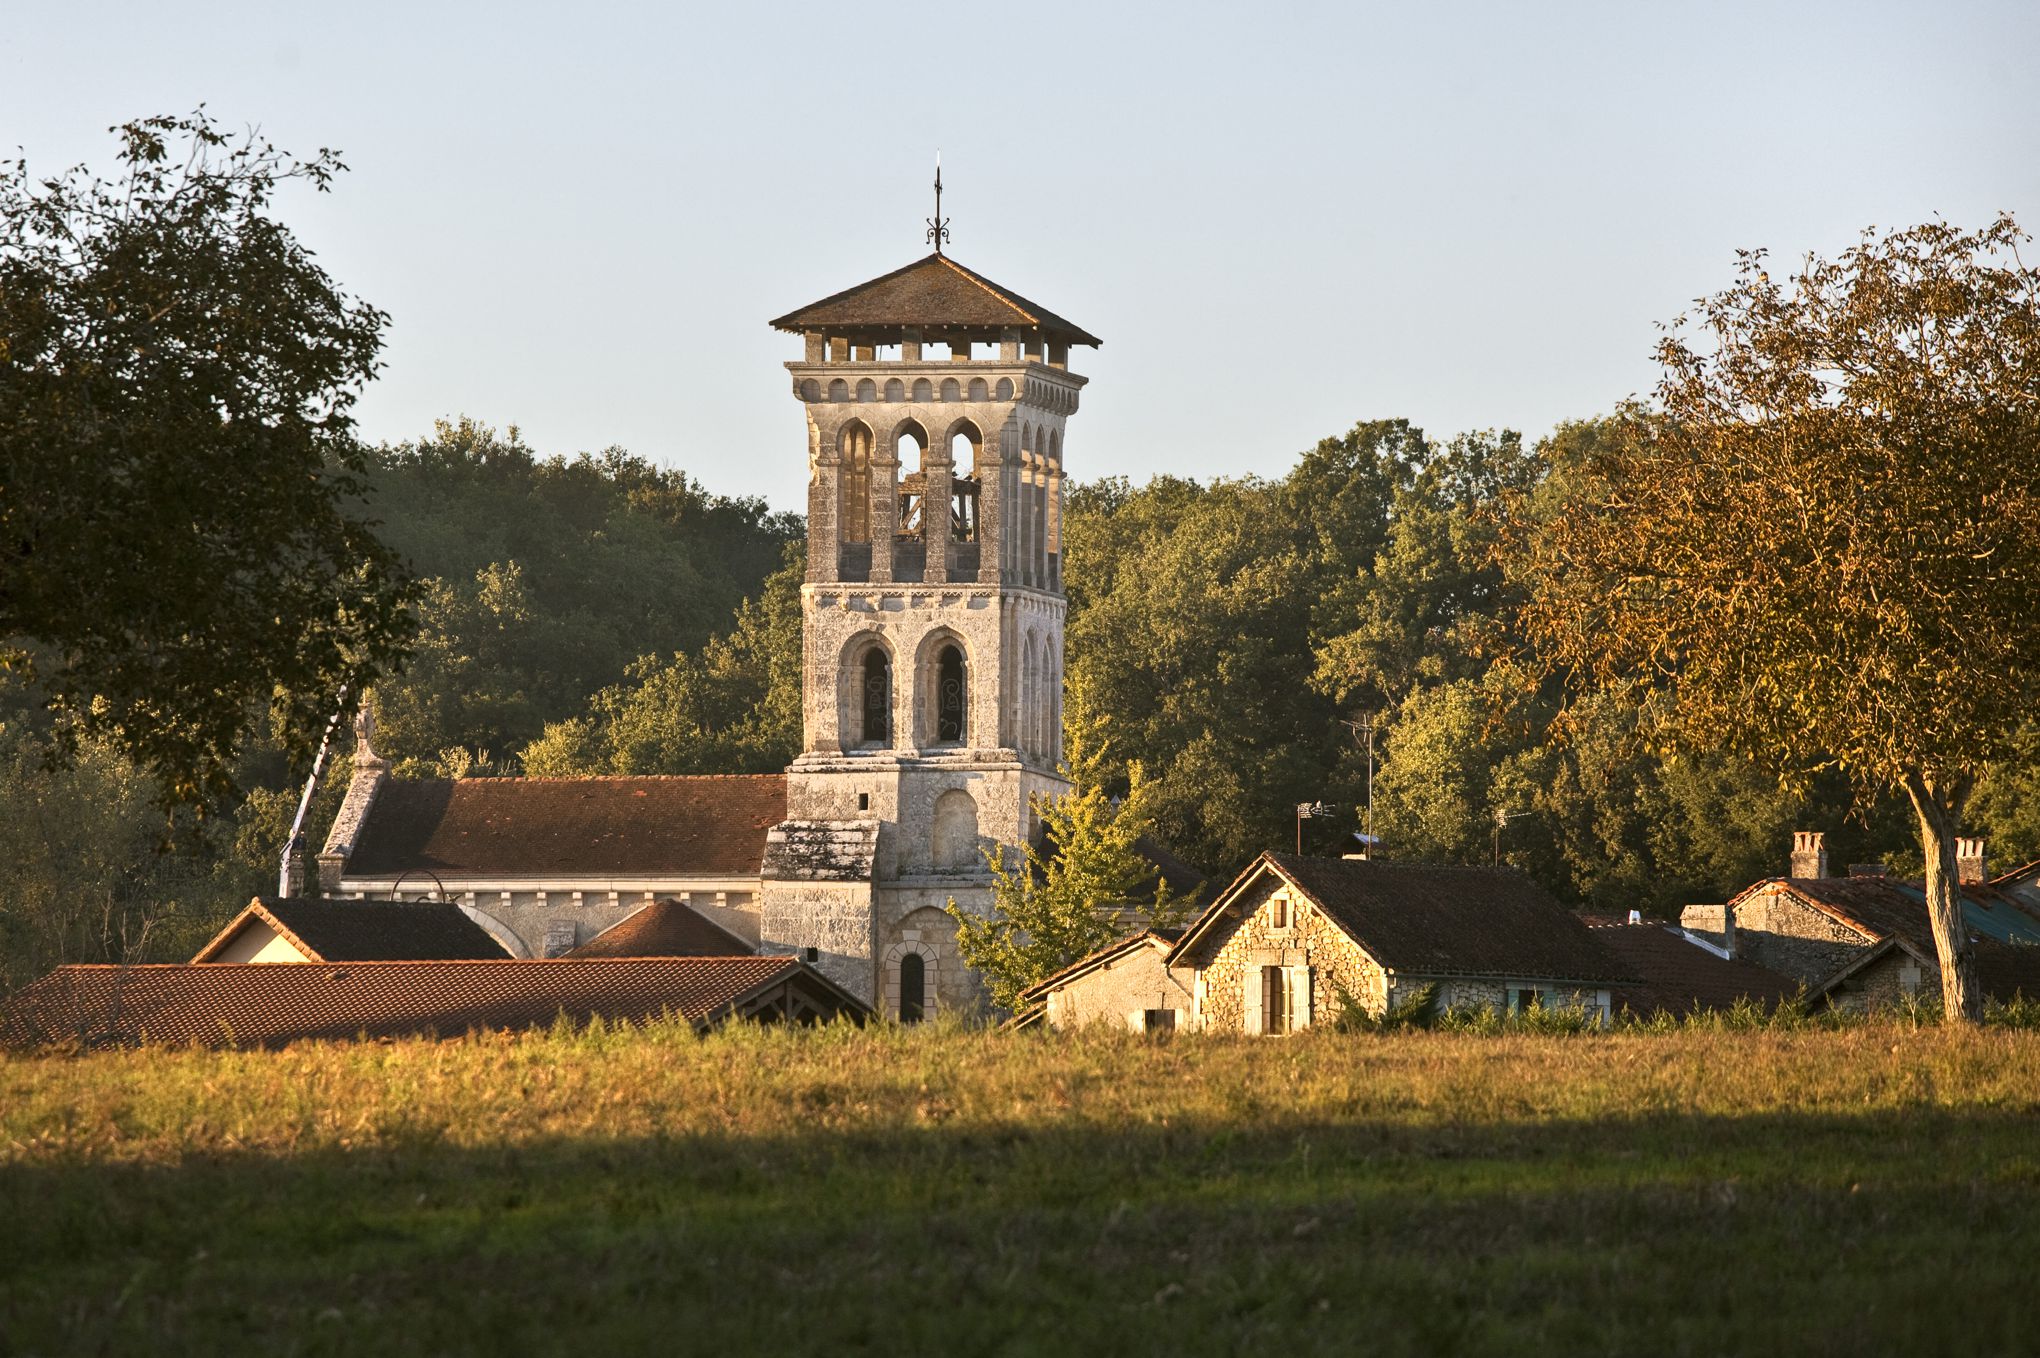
181	543
1822	549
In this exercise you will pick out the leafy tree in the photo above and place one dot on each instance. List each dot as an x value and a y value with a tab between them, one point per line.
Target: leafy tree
1054	904
179	541
545	579
1824	550
733	707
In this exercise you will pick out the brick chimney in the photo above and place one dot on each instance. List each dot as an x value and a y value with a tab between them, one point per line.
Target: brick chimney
1969	870
1809	854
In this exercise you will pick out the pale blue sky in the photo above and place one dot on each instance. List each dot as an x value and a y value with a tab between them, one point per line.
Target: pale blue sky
1281	218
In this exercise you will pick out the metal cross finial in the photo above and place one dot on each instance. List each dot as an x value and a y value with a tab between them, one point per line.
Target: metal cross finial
938	225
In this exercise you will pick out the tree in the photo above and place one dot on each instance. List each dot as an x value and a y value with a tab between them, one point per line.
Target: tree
732	707
1054	904
1823	549
180	536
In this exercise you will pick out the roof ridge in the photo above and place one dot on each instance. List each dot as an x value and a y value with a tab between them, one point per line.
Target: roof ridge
399	962
601	778
997	292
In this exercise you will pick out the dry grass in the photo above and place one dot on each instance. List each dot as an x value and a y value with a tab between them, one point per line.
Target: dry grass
1862	1190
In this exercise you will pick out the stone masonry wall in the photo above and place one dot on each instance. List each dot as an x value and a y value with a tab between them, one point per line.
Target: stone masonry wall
1129	985
1336	963
1775	929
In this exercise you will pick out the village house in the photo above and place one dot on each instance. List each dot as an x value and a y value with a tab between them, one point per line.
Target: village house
1128	983
286	931
1294	940
1865	940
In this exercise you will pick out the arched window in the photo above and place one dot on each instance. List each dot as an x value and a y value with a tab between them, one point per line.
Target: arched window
913	988
853	452
875	699
949	696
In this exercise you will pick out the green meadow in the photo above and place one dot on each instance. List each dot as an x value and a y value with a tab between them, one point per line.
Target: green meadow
1872	1189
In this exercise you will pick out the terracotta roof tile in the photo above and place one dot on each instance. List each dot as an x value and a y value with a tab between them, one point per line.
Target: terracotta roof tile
571	827
257	1005
1681	977
365	931
933	293
665	929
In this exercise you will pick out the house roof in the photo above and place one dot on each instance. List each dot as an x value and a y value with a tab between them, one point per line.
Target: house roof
1430	920
1679	977
257	1005
570	827
1883	907
1163	939
665	928
362	931
935	293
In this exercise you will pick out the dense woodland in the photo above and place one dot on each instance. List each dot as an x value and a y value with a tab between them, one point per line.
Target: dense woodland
596	614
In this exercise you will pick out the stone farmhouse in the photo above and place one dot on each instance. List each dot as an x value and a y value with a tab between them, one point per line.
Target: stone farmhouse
1293	940
1865	940
936	404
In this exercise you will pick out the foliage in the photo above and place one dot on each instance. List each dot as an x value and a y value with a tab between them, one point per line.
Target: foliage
549	580
1081	888
178	467
1690	1190
1824	550
734	707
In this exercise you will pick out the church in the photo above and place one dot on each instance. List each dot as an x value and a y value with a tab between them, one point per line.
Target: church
936	404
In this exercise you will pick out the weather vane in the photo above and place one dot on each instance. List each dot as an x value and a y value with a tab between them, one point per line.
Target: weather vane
938	225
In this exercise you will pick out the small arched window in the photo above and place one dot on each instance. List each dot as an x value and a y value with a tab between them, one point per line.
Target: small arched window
853	450
913	988
875	698
949	695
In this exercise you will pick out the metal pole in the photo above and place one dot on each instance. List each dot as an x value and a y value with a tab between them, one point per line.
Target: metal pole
294	845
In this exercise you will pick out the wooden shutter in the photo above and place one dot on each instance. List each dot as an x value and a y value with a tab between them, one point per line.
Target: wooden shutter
1251	983
1298	979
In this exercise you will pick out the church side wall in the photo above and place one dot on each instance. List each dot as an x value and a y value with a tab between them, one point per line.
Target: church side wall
534	912
834	918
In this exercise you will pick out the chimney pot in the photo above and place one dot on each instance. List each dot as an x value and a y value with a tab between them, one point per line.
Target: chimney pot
1969	869
1809	854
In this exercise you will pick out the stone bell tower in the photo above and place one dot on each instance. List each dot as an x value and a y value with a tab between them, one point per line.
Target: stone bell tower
936	405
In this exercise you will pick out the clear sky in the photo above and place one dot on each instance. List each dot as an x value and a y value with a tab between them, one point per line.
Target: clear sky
1281	218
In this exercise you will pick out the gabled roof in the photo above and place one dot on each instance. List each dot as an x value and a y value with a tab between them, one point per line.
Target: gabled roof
1430	920
569	827
1162	939
257	1005
932	293
362	931
665	929
1882	907
1679	977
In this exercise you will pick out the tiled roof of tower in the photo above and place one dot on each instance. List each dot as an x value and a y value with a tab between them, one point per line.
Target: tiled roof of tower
262	1005
366	931
1681	977
711	826
1432	920
937	293
665	929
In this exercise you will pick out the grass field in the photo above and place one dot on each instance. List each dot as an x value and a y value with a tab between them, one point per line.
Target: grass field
1872	1190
